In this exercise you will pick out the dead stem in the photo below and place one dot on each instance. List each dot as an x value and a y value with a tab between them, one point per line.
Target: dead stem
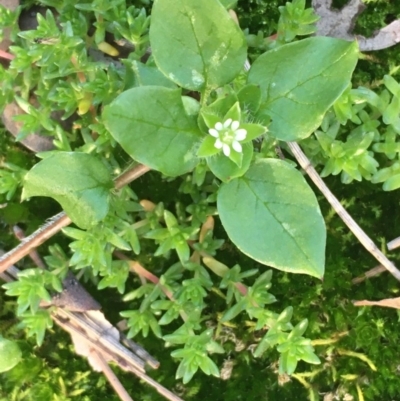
57	222
53	226
370	273
130	175
111	377
33	254
341	211
393	244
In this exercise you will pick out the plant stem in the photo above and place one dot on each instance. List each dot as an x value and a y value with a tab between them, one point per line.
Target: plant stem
5	55
341	211
34	254
59	221
53	226
142	272
130	175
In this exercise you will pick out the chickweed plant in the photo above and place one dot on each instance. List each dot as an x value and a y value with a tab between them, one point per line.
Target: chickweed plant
173	92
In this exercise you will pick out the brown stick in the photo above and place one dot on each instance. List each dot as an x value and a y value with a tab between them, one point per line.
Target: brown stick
393	244
66	325
57	222
130	175
53	226
102	339
370	273
341	211
111	377
34	254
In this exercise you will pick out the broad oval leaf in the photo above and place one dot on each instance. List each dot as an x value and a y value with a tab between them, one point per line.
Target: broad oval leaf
300	81
196	43
272	215
151	125
80	182
10	354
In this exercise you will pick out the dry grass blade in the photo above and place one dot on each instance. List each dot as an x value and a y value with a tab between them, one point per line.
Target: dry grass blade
96	335
395	243
112	379
370	273
368	244
53	226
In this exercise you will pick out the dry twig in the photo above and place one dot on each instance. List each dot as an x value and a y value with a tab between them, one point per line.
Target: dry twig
57	222
113	380
368	244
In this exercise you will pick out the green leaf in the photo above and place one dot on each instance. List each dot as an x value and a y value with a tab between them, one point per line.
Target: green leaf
232	312
272	215
228	3
196	43
391	114
78	181
208	366
392	85
207	147
151	125
392	183
299	329
287	363
309	356
250	98
148	75
300	81
10	354
225	169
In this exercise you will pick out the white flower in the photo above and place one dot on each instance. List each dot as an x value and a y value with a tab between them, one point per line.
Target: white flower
228	136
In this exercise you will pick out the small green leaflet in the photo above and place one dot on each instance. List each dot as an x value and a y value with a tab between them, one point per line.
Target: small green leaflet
300	81
80	182
272	215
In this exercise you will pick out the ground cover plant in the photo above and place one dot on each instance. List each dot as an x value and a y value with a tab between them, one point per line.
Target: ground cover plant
174	158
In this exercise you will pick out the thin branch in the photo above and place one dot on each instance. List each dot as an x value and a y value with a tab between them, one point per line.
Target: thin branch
5	55
393	244
341	211
130	175
136	267
140	351
57	222
160	389
53	226
375	271
34	254
100	338
142	272
111	377
370	273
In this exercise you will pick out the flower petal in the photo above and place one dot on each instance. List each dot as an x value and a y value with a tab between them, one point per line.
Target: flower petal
235	125
226	149
213	132
240	134
218	144
237	146
218	126
227	123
